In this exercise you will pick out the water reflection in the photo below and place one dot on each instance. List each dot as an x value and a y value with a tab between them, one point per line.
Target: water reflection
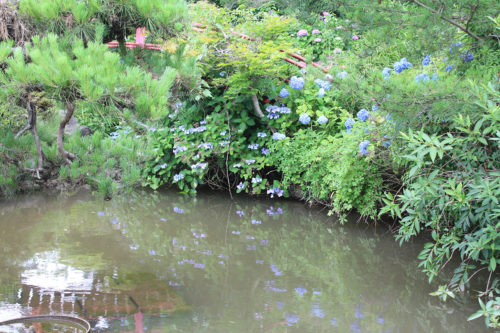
164	262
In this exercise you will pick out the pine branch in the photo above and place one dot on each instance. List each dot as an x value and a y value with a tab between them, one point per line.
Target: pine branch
453	22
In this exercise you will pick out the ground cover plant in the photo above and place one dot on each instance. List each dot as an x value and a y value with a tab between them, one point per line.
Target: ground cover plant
404	124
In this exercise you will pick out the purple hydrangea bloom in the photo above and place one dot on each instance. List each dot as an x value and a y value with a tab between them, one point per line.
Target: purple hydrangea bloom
264	151
362	147
363	115
240	213
316	32
302	33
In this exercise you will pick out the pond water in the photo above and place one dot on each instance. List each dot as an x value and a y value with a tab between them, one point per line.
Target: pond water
161	262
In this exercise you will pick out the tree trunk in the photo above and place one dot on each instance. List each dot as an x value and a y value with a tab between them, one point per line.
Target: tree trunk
66	156
32	127
256	106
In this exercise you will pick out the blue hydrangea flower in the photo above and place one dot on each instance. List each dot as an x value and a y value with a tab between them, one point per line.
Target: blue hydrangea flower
297	82
422	78
304	119
317	311
222	74
284	93
321	92
278	136
284	110
322	120
467	56
275	270
401	65
206	145
449	67
291	319
275	190
342	75
359	312
178	177
455	46
326	85
427	60
374	107
363	115
264	151
386	72
348	124
387	144
362	147
273	112
301	291
256	180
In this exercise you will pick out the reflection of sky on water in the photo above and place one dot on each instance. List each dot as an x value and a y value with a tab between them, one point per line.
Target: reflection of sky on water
46	272
242	266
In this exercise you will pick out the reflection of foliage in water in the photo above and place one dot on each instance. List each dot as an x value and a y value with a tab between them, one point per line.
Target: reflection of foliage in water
235	269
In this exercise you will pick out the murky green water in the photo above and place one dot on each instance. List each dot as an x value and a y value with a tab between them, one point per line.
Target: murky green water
164	263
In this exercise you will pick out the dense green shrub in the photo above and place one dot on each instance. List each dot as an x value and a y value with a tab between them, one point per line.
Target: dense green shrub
452	187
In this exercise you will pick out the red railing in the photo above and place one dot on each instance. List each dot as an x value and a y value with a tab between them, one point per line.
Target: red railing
140	42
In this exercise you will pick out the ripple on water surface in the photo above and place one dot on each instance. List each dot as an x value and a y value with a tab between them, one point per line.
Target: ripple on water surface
163	262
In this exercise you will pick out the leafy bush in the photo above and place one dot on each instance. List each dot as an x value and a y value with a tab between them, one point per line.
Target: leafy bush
452	187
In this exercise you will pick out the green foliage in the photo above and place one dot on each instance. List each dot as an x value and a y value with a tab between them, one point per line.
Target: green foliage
78	18
452	188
